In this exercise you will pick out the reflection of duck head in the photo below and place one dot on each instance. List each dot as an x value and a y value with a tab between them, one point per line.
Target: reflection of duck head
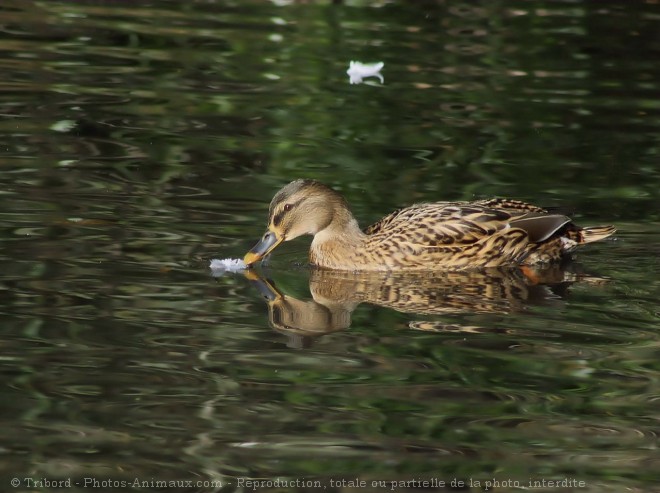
336	294
301	320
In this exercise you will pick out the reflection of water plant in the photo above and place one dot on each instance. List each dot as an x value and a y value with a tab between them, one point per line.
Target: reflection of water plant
481	128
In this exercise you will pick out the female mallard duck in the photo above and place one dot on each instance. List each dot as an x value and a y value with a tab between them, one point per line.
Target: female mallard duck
441	235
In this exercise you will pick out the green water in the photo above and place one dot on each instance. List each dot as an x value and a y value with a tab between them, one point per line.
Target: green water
139	140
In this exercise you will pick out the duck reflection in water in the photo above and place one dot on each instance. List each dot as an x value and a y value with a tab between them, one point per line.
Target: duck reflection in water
336	294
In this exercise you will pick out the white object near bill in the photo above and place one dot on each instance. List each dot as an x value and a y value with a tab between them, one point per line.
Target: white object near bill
358	71
227	265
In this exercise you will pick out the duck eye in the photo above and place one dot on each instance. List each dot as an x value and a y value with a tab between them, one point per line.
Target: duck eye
288	207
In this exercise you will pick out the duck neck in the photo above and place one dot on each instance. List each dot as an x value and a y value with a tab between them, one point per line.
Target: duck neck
336	245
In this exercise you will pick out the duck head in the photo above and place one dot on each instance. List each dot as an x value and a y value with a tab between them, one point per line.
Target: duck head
303	207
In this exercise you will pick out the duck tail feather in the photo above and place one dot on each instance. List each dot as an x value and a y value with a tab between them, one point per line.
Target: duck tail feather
596	233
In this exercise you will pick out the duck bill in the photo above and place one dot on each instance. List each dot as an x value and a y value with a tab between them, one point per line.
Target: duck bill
267	244
264	286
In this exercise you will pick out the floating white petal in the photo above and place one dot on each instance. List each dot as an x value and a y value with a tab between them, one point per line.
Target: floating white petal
358	71
228	265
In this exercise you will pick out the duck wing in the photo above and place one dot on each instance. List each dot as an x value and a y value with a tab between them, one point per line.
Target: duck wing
438	224
466	222
540	226
510	205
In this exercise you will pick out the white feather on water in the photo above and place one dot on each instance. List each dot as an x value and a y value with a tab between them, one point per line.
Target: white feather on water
358	71
227	265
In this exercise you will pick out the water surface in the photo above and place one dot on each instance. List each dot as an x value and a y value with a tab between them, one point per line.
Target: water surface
139	141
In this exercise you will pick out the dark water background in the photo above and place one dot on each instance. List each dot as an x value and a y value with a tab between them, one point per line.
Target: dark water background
140	139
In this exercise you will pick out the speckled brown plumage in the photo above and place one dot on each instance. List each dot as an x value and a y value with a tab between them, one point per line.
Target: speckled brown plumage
442	235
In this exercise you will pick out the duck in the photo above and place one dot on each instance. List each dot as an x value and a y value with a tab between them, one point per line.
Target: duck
495	232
